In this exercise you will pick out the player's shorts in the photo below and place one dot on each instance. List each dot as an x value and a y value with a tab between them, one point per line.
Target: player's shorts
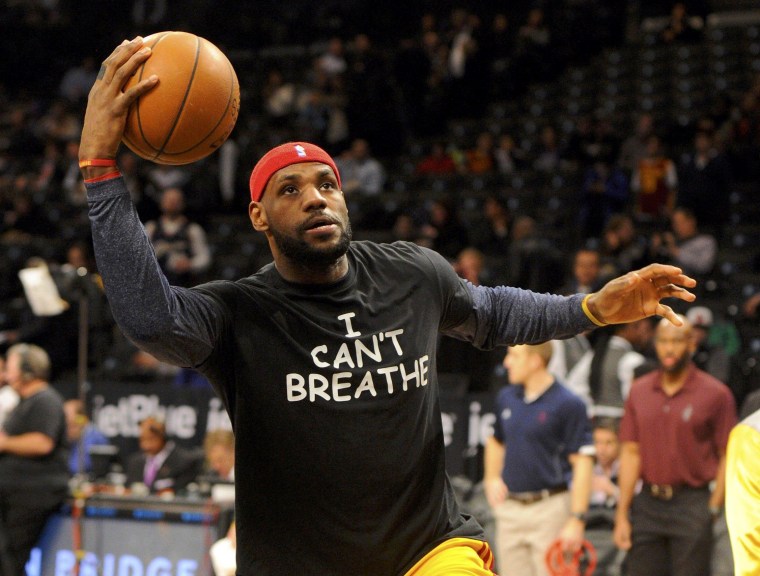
456	557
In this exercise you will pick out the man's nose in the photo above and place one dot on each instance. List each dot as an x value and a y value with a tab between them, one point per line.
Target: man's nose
313	198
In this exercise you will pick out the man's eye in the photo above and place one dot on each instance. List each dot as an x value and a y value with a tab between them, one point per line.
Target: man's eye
289	190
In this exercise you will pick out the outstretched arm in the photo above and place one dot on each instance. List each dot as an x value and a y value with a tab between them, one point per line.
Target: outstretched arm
639	294
174	324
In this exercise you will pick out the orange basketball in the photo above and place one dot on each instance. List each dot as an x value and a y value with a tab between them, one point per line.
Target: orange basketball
193	109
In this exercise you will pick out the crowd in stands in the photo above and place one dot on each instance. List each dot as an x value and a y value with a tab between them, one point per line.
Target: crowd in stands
441	122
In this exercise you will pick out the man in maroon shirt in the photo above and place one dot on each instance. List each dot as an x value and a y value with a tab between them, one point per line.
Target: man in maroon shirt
674	433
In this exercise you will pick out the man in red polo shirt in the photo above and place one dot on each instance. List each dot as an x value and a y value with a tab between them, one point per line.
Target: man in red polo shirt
674	434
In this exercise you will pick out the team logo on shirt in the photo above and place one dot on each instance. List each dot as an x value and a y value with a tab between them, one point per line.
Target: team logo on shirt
687	412
506	414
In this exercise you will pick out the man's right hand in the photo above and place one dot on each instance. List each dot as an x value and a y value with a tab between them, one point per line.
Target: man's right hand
622	533
107	106
496	491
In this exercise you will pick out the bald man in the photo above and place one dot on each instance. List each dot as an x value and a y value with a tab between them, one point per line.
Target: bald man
674	434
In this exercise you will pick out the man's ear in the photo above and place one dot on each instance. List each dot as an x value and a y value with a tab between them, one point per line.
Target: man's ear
258	216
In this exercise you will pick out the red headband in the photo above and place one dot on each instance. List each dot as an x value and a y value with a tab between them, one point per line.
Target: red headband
286	155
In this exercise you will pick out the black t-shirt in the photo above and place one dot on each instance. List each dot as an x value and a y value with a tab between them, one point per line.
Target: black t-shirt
41	412
335	408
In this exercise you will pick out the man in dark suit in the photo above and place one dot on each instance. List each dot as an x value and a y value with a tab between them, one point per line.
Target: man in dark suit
160	464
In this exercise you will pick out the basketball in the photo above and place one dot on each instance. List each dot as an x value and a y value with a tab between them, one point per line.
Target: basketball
194	107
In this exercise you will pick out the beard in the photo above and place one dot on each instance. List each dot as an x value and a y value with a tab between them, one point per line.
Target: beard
301	252
680	364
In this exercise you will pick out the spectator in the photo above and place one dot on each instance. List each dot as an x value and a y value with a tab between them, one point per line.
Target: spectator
480	159
180	244
159	464
704	183
586	273
497	45
61	122
491	235
364	180
438	161
455	356
709	356
604	488
333	61
219	449
77	80
81	435
279	97
533	261
622	247
538	464
686	246
532	59
566	353
33	472
445	232
604	192
634	147
131	167
364	174
604	496
603	377
508	157
674	433
654	183
26	219
547	156
72	183
52	333
681	27
8	396
159	177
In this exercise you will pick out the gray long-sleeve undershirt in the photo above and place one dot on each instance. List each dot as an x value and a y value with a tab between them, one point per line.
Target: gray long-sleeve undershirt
180	325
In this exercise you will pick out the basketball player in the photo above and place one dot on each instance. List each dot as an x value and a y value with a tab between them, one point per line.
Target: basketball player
325	359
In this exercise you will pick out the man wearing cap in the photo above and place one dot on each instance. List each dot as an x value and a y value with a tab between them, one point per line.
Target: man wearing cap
325	359
708	356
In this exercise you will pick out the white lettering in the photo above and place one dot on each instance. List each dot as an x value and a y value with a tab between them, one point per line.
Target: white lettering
296	388
387	372
130	565
159	567
392	335
320	390
343	357
366	384
351	333
64	562
480	427
424	370
413	375
217	417
181	422
187	567
337	386
317	361
447	421
373	354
